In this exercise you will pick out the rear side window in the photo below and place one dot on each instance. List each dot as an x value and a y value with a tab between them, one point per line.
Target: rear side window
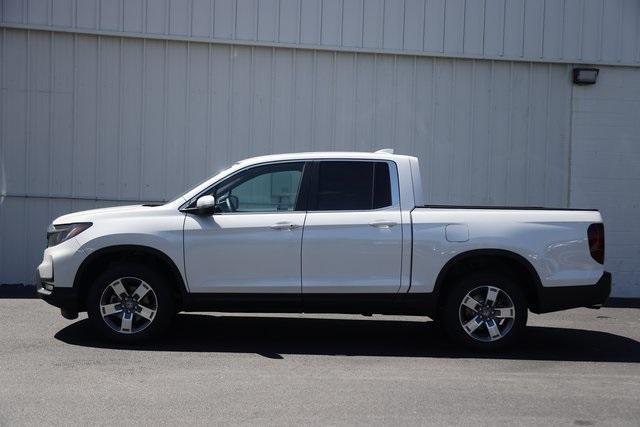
351	185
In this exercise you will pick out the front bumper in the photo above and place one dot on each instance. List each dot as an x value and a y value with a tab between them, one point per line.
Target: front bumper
62	297
565	297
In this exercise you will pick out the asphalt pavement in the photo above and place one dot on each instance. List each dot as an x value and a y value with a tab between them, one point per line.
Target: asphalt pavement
579	367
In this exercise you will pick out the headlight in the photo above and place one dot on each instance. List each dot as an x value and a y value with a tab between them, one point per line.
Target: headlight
57	234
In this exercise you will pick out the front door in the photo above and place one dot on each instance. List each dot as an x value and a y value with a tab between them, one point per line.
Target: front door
352	240
252	242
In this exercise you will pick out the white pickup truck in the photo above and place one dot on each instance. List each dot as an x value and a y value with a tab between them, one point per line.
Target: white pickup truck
323	233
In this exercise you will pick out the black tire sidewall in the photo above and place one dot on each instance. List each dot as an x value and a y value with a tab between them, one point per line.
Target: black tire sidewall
165	310
450	310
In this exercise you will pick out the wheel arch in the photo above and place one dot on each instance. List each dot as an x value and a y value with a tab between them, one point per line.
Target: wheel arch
487	259
98	261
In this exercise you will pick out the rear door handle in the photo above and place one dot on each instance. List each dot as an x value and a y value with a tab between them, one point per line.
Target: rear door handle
383	224
284	226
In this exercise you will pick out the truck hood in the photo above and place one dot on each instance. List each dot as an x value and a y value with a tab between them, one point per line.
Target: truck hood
94	214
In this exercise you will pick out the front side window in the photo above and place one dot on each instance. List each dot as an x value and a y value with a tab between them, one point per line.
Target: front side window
267	188
353	185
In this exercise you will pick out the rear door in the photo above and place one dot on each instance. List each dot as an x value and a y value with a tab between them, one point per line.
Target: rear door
352	241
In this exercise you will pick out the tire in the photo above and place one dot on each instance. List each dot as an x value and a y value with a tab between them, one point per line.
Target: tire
130	303
469	321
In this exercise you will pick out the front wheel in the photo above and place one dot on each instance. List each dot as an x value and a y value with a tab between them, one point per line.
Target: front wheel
485	311
130	303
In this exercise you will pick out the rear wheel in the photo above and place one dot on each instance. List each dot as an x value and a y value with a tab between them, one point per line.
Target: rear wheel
130	303
485	311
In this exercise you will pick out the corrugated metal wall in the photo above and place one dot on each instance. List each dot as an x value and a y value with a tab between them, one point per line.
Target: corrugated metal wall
596	31
605	167
92	120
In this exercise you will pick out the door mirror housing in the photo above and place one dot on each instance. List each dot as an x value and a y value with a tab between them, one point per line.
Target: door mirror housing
206	204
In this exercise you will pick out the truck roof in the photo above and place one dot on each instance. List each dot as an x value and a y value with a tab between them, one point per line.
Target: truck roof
380	155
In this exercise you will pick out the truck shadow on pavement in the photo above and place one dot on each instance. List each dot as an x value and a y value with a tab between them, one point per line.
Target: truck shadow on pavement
274	337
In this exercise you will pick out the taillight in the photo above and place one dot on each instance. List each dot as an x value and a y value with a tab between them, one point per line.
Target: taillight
595	232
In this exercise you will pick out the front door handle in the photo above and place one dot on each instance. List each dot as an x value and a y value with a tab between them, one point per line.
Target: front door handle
383	224
284	226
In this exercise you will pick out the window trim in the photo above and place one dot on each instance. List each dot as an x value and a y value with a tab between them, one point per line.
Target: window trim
301	200
393	178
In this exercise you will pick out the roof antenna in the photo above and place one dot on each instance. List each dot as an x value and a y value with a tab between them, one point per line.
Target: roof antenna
386	151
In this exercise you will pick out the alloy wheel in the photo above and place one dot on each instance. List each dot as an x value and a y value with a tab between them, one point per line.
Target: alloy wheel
487	313
128	305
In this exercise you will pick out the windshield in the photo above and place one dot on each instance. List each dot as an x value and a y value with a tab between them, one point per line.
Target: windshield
183	194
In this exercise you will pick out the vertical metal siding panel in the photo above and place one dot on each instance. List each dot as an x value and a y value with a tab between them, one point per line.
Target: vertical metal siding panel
13	236
108	125
246	19
441	150
533	28
84	156
175	110
303	89
224	19
461	137
153	95
592	30
201	14
403	105
87	14
180	17
384	101
393	25
268	13
289	21
196	162
323	101
262	76
133	15
434	19
559	134
499	131
454	26
242	69
331	23
373	23
220	102
37	221
310	21
352	22
630	31
62	13
423	122
518	141
283	75
494	27
39	114
344	101
513	28
62	117
365	101
110	15
413	25
537	135
611	30
38	12
553	29
131	101
15	112
474	27
156	16
13	10
480	138
572	26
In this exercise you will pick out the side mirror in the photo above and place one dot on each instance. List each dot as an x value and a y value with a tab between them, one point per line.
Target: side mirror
206	204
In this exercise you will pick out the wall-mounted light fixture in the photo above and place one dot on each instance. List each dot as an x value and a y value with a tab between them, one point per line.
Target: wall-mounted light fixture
585	76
